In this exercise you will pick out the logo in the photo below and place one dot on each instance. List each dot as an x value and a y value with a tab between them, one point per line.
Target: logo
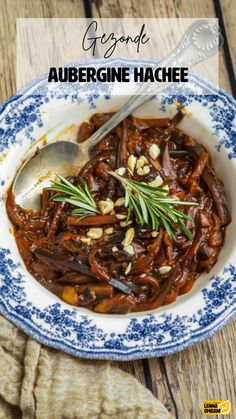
216	407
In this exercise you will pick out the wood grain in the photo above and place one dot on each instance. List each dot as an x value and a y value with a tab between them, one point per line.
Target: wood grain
162	9
35	55
203	372
10	10
207	370
229	14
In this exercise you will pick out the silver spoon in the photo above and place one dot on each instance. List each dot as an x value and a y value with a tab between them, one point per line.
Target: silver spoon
201	40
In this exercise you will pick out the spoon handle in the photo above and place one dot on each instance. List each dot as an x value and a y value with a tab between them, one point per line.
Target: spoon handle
201	40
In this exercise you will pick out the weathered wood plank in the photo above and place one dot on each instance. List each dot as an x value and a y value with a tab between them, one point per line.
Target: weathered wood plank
162	9
183	380
10	10
206	370
161	386
229	15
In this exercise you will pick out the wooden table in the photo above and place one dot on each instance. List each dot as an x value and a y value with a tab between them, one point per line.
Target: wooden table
206	370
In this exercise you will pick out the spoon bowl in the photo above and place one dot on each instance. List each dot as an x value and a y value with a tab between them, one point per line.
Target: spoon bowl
62	157
196	315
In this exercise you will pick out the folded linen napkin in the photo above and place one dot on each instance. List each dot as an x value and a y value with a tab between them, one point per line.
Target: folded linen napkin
43	383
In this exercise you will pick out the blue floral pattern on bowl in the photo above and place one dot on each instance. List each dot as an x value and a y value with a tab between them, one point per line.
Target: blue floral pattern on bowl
78	331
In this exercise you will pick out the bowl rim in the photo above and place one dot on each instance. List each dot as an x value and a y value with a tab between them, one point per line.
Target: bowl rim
135	353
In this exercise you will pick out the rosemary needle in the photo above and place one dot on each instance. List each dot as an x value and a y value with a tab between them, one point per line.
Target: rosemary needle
80	196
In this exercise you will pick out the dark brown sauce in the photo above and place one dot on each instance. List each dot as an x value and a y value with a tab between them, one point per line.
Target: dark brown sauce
54	245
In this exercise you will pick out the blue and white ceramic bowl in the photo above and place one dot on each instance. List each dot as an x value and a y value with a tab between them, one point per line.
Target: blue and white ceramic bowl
55	111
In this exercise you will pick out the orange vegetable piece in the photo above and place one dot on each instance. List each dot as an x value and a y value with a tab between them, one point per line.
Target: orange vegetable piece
69	295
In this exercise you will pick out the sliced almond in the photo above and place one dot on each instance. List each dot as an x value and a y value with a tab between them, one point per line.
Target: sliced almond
121	171
121	216
131	162
166	188
95	233
154	151
109	230
128	268
129	249
120	202
154	233
129	236
156	182
86	240
164	269
143	171
142	160
125	224
106	207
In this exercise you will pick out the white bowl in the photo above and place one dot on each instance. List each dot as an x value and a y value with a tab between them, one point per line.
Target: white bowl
56	111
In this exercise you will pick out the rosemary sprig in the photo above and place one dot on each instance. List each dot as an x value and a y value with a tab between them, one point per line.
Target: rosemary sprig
150	205
79	196
153	206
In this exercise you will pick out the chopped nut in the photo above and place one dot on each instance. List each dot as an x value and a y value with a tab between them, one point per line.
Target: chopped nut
166	187
121	216
85	240
132	162
120	202
154	233
154	151
125	224
109	230
121	171
128	269
114	249
141	162
129	249
95	233
106	207
156	182
129	236
143	275
143	170
164	269
69	295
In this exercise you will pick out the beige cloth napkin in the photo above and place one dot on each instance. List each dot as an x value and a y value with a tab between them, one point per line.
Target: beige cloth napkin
43	383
